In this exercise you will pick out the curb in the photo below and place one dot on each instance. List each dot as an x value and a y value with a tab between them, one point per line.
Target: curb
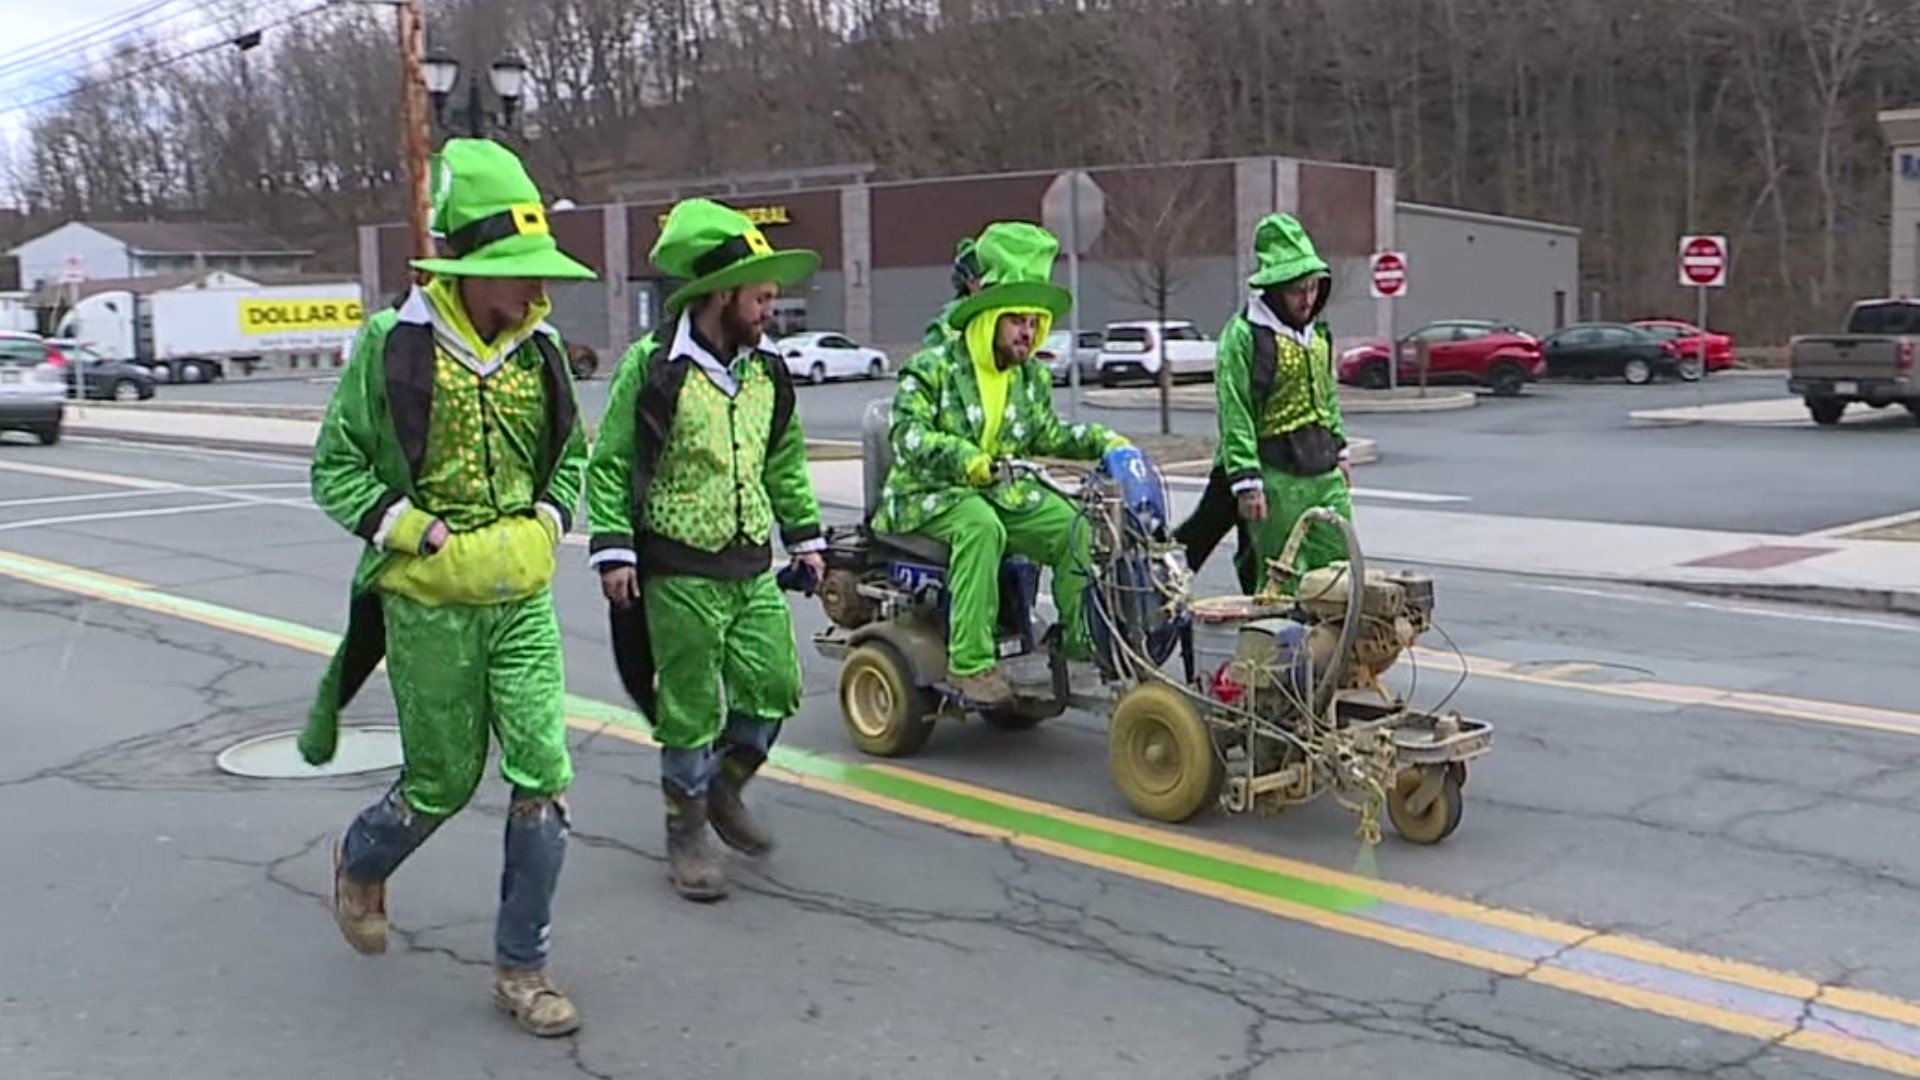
210	442
1886	601
215	442
1857	598
1133	401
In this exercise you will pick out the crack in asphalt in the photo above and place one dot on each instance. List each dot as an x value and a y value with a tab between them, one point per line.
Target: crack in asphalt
1860	872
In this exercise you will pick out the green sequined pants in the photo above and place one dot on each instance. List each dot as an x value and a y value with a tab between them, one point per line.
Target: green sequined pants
1290	496
721	647
462	674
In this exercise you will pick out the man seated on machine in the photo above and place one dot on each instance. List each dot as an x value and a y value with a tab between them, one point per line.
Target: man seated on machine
957	408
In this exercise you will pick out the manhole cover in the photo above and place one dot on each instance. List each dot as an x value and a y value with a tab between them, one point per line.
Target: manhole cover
277	756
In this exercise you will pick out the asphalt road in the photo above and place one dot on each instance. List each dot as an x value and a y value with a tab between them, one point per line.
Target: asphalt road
169	919
1562	450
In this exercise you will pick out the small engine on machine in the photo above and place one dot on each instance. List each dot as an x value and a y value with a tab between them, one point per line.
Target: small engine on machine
1395	609
1278	661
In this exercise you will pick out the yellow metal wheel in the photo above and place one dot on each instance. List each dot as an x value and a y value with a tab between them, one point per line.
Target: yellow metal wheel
1161	754
1437	819
885	713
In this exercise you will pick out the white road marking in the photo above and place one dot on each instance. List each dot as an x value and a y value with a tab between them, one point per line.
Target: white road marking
97	496
86	476
126	515
1407	496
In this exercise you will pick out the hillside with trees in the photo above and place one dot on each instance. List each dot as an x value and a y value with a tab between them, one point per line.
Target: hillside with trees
1632	119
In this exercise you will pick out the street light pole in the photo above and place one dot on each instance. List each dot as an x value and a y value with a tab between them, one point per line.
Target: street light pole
417	134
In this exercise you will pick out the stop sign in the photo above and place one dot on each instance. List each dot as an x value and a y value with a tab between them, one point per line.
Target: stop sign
1389	275
1703	261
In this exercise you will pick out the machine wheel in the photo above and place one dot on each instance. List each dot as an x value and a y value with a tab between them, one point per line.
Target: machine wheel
1440	817
885	713
1161	754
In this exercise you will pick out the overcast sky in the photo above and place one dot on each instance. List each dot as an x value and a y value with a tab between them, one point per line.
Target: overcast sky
33	58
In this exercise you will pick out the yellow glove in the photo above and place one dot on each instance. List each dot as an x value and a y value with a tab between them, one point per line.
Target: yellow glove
1115	441
980	471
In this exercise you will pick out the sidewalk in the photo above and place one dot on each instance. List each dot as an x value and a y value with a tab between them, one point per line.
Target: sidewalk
1353	402
1783	412
1876	574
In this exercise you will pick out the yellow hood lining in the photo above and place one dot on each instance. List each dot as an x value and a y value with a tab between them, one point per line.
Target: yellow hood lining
994	383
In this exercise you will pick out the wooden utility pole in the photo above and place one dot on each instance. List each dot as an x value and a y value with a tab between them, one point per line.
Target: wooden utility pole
417	136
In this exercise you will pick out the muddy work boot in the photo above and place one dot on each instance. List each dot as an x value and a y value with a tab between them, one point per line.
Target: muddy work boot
361	910
534	1003
692	861
732	821
988	689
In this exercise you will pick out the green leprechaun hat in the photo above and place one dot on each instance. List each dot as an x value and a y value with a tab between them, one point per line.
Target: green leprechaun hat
1284	252
488	211
714	248
1016	271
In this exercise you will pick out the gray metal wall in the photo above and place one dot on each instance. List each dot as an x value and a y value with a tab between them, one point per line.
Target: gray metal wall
1462	265
1208	292
1202	291
580	313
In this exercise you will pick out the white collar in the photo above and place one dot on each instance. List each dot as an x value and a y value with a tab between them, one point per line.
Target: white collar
688	347
1259	314
419	309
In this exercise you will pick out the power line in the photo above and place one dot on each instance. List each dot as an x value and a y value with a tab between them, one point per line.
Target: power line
165	62
79	37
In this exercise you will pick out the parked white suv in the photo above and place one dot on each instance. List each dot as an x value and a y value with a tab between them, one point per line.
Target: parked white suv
33	388
1132	350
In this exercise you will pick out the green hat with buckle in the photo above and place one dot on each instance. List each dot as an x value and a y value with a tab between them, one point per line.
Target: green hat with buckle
714	248
488	211
1016	271
1284	252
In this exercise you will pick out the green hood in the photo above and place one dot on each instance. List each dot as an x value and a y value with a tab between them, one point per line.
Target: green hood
1284	252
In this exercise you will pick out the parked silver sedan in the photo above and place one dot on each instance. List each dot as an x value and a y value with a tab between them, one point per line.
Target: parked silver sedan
33	390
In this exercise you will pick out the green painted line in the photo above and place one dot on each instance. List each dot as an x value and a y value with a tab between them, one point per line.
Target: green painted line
973	808
1085	837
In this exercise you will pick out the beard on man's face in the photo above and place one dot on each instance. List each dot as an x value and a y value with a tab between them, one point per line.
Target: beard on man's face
735	323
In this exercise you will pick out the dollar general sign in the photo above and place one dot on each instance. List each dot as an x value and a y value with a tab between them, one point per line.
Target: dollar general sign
759	215
281	316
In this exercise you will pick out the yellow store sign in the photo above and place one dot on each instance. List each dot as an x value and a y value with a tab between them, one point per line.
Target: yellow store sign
759	215
284	316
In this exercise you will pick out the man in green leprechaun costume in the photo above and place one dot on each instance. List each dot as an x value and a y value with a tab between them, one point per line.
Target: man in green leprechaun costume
698	458
958	407
1283	444
453	448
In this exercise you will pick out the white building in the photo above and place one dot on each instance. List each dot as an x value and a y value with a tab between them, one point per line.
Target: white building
101	249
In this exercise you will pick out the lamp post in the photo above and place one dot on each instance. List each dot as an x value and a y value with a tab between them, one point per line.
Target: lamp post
507	76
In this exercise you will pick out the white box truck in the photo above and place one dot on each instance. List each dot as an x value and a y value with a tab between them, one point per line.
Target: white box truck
197	333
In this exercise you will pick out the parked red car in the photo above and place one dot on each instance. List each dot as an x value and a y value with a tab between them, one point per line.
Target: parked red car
1476	352
1690	342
